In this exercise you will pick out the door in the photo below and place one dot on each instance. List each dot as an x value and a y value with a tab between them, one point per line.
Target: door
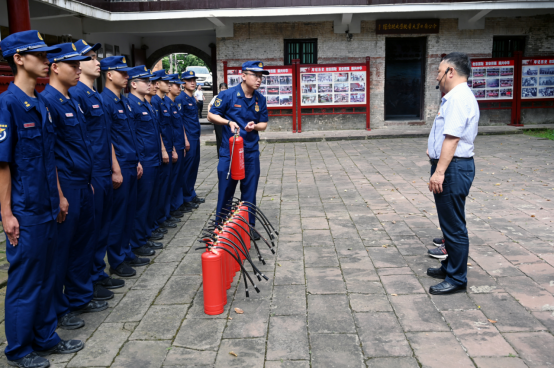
404	77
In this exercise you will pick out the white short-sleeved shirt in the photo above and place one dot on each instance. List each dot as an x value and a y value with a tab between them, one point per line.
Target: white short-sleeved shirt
458	116
199	95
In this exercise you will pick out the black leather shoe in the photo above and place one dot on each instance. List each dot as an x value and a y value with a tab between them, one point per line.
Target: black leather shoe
70	321
123	270
111	283
144	251
445	288
436	273
137	262
156	236
101	293
64	347
199	200
190	204
155	245
161	230
176	214
32	360
93	307
169	224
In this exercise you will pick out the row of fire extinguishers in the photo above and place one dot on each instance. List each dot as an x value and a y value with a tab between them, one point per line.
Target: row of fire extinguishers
227	242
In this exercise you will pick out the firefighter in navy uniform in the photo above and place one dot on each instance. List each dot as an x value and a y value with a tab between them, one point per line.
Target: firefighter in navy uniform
244	109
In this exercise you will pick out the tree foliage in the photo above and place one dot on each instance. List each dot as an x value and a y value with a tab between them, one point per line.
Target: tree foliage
183	61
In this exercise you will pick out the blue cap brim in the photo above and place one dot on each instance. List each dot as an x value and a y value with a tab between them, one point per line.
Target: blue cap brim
189	78
177	82
142	77
91	48
117	70
49	49
264	72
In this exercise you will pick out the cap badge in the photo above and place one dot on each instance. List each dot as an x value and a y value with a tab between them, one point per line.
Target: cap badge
145	69
191	73
84	42
260	65
73	46
166	72
39	36
124	60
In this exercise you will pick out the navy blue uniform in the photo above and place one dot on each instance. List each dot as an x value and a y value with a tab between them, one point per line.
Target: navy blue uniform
125	197
189	112
75	249
27	143
166	130
231	104
179	144
99	134
149	150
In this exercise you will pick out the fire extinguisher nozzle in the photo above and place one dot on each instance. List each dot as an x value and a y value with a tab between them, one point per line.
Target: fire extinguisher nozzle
259	278
247	294
265	277
257	289
273	251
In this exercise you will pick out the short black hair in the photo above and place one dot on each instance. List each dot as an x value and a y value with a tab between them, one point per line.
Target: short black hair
223	85
12	64
460	61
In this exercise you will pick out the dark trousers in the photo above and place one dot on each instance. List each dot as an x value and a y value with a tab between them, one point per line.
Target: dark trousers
218	136
144	218
164	192
200	105
31	320
176	184
191	163
248	186
103	199
451	211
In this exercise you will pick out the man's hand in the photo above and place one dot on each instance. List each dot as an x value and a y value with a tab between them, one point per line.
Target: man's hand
184	153
139	171
64	210
91	186
11	227
234	127
428	154
174	156
117	180
435	183
250	126
165	157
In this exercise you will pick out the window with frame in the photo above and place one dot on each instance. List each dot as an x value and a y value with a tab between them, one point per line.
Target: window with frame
303	49
506	46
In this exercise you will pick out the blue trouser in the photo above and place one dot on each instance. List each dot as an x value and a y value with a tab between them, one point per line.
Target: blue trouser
450	205
248	186
103	197
123	219
75	250
177	182
191	164
30	320
143	215
163	191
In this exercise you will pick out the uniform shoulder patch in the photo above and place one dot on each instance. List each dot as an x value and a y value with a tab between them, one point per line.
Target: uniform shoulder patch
3	132
217	102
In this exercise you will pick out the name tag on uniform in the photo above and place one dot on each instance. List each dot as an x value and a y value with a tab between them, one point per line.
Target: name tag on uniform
165	111
96	106
237	106
120	111
69	115
190	104
28	125
144	113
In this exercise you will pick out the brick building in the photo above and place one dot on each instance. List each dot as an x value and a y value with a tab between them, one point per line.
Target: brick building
403	65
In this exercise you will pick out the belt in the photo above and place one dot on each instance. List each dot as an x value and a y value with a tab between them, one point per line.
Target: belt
455	159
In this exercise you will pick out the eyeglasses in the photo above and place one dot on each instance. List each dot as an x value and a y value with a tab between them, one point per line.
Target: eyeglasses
257	76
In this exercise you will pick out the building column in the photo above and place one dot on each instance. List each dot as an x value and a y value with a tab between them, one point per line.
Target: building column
214	69
19	18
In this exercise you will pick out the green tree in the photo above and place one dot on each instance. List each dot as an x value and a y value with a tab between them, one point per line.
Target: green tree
183	61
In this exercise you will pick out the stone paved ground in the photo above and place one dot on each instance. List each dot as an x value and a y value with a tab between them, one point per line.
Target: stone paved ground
348	285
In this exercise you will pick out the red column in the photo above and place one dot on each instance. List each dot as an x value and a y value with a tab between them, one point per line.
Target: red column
225	72
368	94
19	18
516	101
295	94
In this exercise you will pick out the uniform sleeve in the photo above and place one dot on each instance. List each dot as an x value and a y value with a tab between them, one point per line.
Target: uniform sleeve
8	134
263	110
456	118
221	104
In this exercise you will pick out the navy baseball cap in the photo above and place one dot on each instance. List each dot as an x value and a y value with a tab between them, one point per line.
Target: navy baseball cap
26	41
68	52
254	66
174	78
160	75
139	72
188	75
83	47
114	63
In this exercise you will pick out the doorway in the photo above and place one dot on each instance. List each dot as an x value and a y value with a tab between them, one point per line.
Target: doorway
404	77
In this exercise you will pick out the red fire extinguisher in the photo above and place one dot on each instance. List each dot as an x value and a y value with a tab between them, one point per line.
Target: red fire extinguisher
243	211
236	167
212	278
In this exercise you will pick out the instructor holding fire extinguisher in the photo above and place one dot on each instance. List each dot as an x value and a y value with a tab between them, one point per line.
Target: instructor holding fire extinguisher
242	111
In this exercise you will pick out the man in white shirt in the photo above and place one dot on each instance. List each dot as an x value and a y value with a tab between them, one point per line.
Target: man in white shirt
199	96
450	150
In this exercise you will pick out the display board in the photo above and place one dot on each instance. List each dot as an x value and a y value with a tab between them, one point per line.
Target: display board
276	87
492	79
537	78
333	85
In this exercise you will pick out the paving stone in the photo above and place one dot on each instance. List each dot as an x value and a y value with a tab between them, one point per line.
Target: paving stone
160	322
133	306
179	357
335	351
426	346
392	362
288	300
179	290
290	272
478	335
155	277
417	313
535	348
499	362
325	280
329	314
320	257
388	257
288	338
250	353
200	334
253	323
369	303
381	335
402	284
287	364
102	348
142	354
527	292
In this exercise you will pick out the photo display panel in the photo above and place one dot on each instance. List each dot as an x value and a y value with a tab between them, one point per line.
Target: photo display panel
537	79
492	79
333	85
276	87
